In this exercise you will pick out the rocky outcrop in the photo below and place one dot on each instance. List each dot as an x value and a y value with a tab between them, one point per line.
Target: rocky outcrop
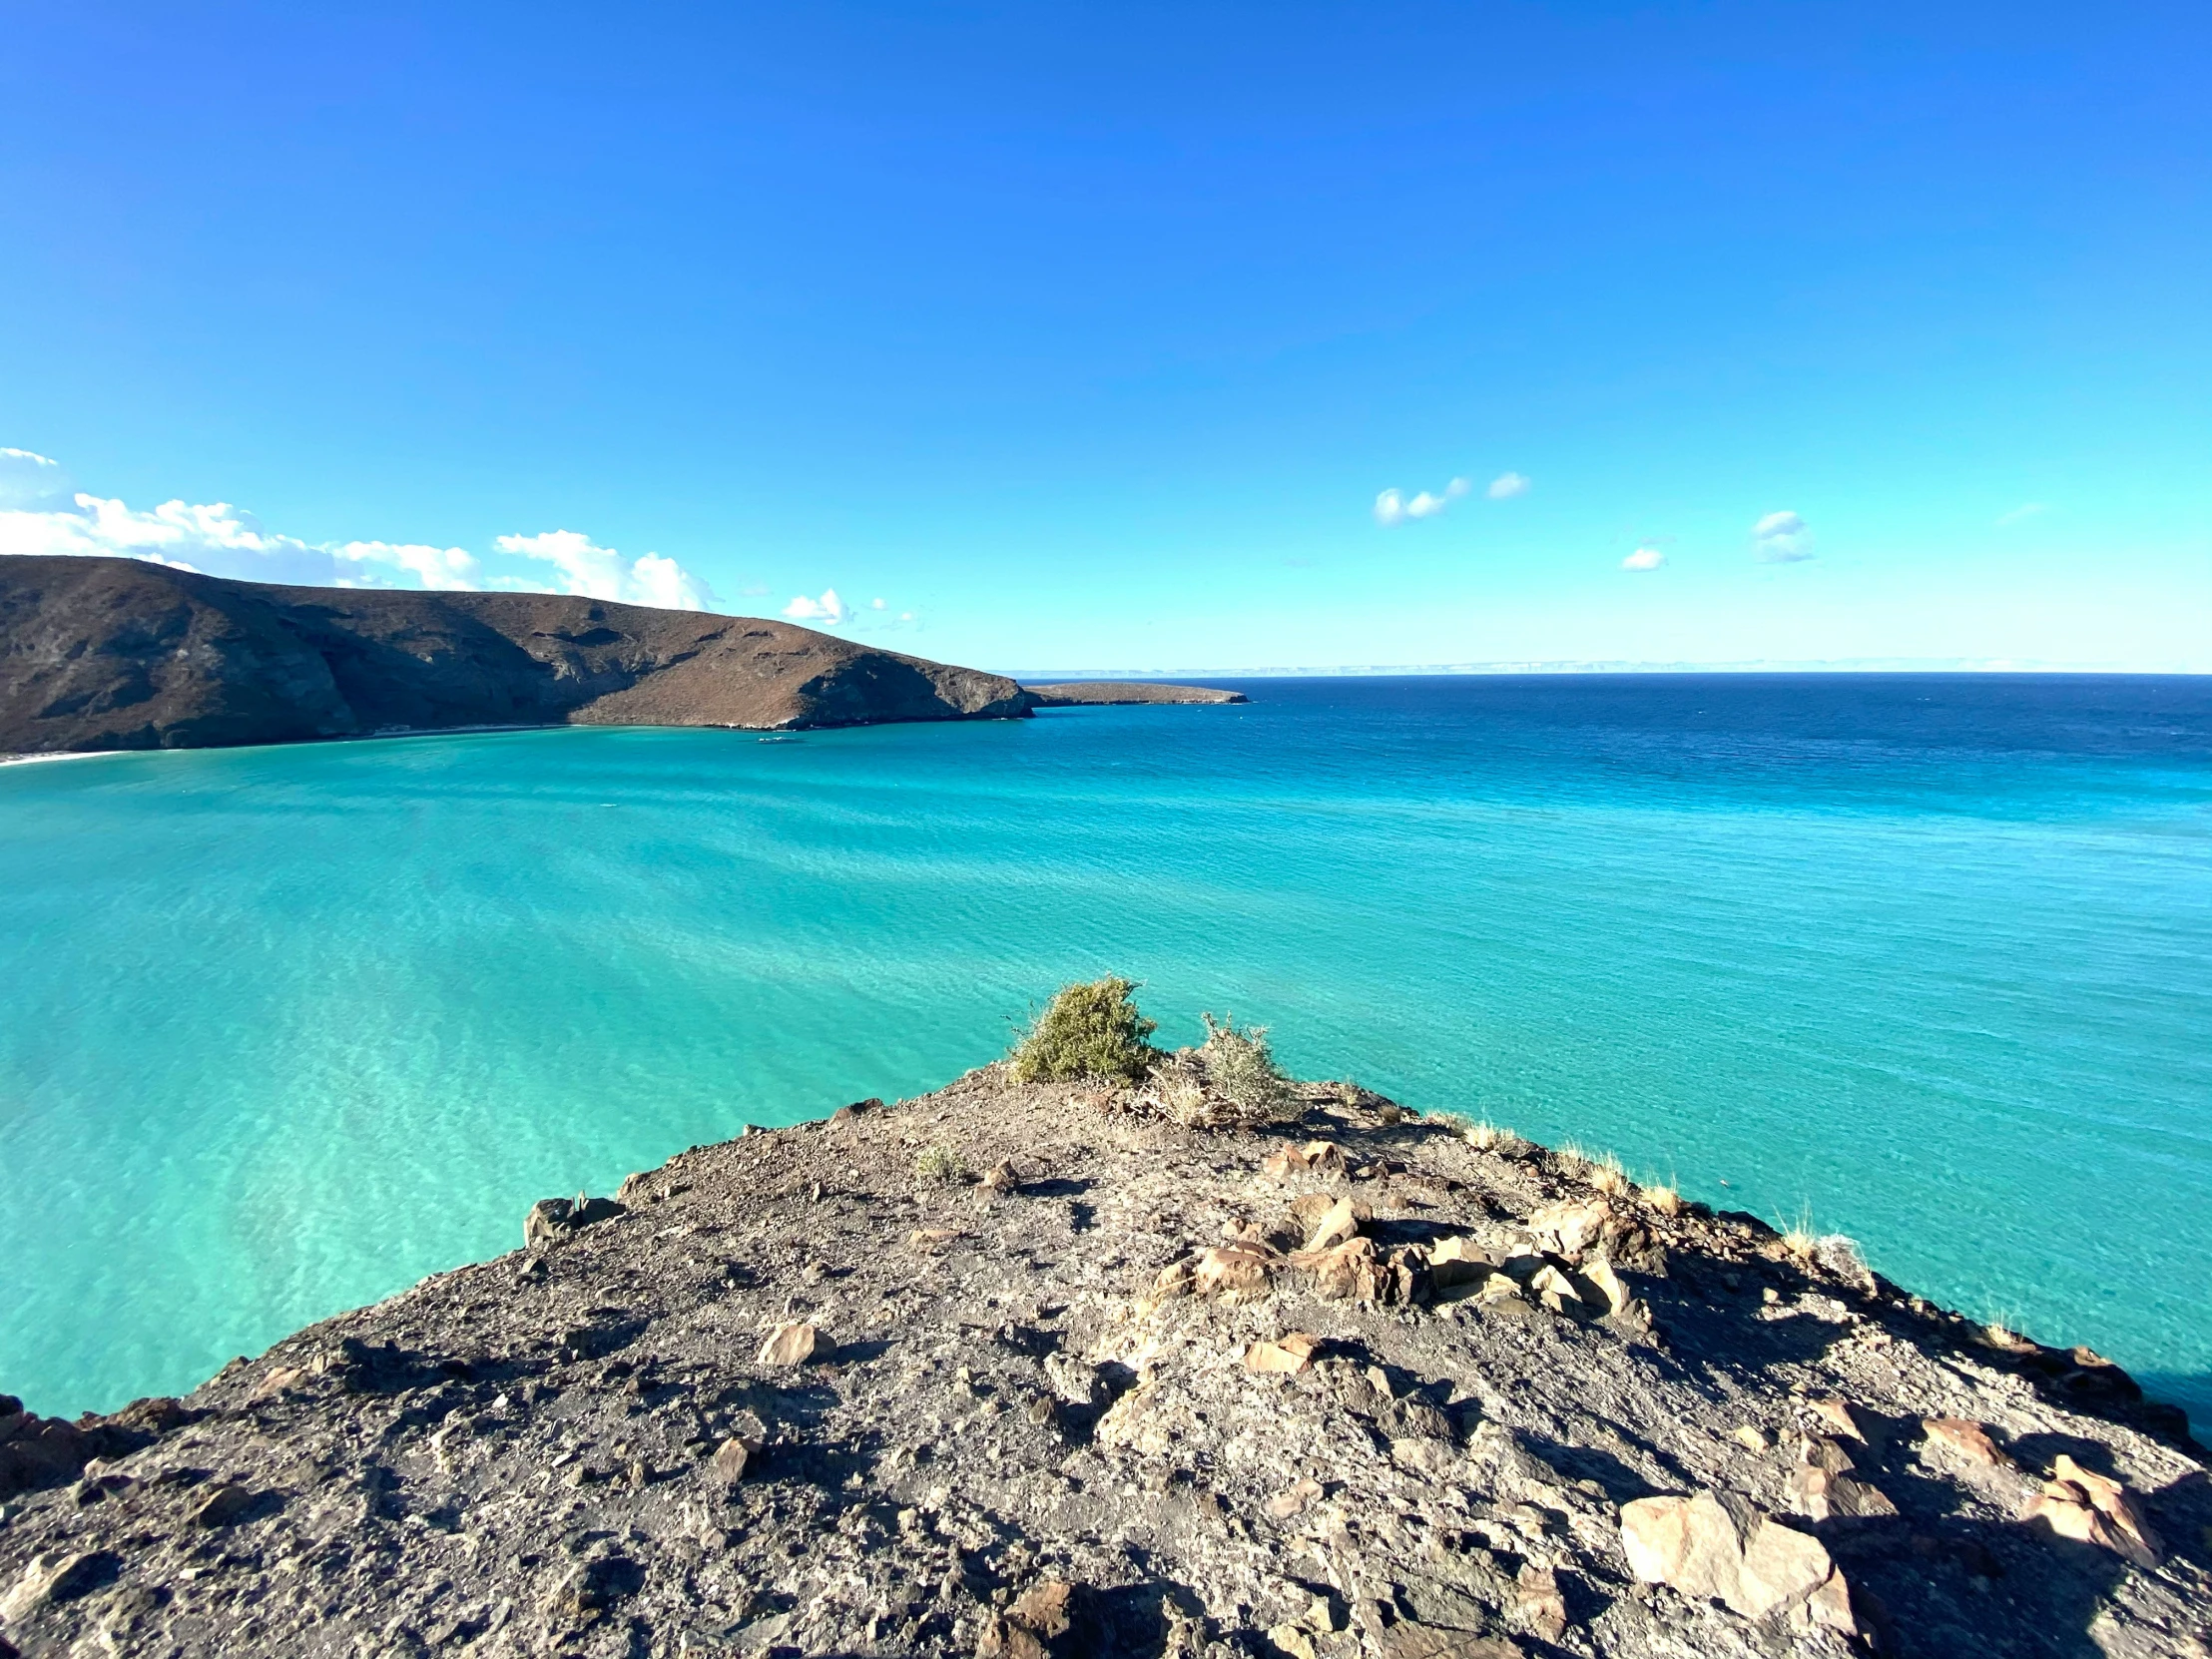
1354	1382
1093	693
120	654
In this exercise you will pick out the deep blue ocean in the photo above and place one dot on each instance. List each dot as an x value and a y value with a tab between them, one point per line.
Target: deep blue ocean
1927	957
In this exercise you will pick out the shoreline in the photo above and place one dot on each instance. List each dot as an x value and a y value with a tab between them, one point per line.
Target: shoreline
1009	1363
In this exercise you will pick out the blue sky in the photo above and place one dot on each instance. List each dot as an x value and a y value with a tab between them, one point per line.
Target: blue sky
1089	336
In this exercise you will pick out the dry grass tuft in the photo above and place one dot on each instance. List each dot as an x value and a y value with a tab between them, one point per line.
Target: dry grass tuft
1663	1198
1609	1177
940	1165
1486	1136
1800	1238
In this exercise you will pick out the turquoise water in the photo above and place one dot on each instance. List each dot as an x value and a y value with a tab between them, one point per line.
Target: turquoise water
288	1028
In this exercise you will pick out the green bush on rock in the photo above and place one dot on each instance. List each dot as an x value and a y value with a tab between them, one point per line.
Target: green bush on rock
1086	1030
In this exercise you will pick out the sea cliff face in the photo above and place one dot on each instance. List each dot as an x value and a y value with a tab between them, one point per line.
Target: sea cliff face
101	654
1041	1369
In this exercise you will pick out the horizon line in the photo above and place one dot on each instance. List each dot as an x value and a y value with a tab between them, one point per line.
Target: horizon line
1570	666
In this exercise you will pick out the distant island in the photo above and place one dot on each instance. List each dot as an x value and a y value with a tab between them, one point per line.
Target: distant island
121	654
1099	693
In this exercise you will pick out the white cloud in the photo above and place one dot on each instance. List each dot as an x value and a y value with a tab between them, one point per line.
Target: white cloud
28	480
219	540
1781	539
2026	510
581	566
1393	507
1644	558
1506	486
39	514
828	608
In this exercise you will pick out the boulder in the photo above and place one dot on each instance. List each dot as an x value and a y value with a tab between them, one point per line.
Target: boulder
1714	1546
1285	1356
55	1577
1292	1499
1407	1640
731	1458
1335	1225
39	1451
1841	1416
1035	1619
1572	1225
552	1220
1963	1440
219	1504
788	1345
1237	1270
2094	1508
1818	1495
1316	1157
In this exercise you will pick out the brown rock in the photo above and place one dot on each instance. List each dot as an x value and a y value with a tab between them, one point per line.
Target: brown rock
732	1457
1292	1499
1597	1273
219	1504
1537	1603
1237	1270
55	1577
1407	1640
1839	1415
1287	1355
1458	1262
930	1240
1710	1548
1321	1158
1570	1224
1967	1440
1000	1178
1335	1225
1043	1608
2131	1533
276	1381
1347	1271
788	1345
1820	1495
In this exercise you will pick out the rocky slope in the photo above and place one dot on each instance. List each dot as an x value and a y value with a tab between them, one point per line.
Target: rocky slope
1027	1369
120	654
1090	692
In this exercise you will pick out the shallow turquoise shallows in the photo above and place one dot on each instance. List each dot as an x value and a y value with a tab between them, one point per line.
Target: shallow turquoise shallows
286	1029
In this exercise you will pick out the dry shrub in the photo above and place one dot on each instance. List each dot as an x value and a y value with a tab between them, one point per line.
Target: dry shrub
1240	1068
1664	1199
1609	1177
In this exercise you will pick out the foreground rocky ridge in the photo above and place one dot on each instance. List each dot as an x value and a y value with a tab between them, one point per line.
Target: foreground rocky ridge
101	654
1024	1369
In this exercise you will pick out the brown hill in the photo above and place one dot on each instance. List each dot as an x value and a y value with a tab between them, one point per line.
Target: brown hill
120	654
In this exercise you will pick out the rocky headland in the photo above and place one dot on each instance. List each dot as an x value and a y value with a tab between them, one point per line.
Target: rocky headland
103	654
1023	1369
1106	693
